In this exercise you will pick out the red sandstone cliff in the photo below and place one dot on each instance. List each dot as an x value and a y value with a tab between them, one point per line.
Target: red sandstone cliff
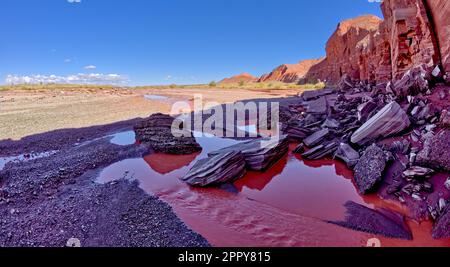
413	32
243	77
439	11
290	73
367	48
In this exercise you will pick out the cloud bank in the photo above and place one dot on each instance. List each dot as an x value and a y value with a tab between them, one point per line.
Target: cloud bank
81	78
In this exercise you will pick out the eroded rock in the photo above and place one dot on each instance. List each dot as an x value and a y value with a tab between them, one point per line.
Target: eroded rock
436	152
370	168
222	168
391	120
156	132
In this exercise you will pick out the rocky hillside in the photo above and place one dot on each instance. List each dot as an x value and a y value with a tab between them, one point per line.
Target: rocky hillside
374	51
243	77
290	73
413	33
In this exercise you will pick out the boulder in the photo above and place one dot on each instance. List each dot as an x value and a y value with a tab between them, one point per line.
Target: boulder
370	169
156	132
346	153
436	152
259	154
391	120
378	222
441	228
413	82
220	169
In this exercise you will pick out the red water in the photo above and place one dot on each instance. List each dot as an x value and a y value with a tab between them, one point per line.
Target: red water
285	206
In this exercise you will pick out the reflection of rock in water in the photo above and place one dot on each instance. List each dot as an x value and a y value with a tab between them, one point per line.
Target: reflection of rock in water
166	163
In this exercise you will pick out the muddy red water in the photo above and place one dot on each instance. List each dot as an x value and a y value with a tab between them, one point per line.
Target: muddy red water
285	206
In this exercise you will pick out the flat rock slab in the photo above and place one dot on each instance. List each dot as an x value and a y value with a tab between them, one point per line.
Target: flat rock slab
436	152
310	95
259	154
156	132
321	151
316	138
220	169
370	169
318	106
391	120
379	222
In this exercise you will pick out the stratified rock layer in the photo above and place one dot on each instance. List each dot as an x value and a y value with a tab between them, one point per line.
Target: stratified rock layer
156	132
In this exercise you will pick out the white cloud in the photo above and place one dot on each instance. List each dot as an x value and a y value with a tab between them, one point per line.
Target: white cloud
90	67
67	60
81	78
74	1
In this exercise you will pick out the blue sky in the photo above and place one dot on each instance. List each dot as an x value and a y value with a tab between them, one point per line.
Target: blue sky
165	41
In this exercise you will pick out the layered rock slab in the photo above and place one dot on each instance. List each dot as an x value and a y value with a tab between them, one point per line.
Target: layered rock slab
156	132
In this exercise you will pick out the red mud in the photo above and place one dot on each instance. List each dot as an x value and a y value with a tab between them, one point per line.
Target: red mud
285	206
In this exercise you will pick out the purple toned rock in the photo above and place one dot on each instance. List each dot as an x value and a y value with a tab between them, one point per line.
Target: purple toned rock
310	95
156	132
442	226
436	152
370	168
365	110
392	119
259	154
346	153
319	106
379	222
321	151
217	170
316	138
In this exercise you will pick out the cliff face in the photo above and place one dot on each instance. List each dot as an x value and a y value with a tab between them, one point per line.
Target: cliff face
413	32
290	73
439	11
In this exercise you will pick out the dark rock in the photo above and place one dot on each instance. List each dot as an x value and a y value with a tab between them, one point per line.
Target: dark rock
413	82
346	153
299	149
346	83
378	222
442	226
366	110
295	130
311	95
259	154
445	119
370	168
316	138
319	106
222	168
321	151
436	152
389	121
156	132
331	124
418	172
